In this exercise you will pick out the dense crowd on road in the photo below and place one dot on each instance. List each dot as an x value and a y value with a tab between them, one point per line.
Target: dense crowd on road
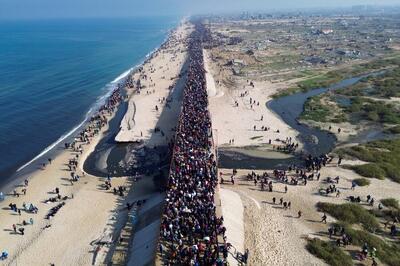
190	226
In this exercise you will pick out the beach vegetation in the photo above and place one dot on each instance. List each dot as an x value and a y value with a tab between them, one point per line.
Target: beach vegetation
382	157
315	110
390	203
381	112
286	92
370	170
388	253
350	213
329	252
375	111
320	109
362	182
389	214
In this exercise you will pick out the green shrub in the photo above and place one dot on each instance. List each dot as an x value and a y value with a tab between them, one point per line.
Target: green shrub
383	157
373	116
392	171
362	182
390	202
369	170
350	213
315	110
387	253
329	252
389	215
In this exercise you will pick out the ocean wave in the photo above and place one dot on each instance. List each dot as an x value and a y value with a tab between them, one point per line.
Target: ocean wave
122	76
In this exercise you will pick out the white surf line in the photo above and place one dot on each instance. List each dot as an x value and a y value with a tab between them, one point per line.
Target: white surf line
46	150
253	199
99	102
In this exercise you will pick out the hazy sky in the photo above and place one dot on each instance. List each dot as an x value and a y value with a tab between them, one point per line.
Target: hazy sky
124	8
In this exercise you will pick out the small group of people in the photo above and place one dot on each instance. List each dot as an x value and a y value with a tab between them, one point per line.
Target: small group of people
285	204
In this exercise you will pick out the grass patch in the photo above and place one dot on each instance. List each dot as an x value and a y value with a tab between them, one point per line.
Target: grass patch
390	203
286	92
315	110
370	170
319	110
387	253
387	214
375	111
329	252
362	182
320	81
350	213
383	159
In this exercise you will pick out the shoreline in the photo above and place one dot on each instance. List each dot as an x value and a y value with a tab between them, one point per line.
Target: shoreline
55	148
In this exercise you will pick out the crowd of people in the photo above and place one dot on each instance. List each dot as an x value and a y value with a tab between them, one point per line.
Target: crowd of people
190	227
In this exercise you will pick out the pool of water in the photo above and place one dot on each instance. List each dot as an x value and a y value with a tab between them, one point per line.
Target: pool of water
315	141
124	159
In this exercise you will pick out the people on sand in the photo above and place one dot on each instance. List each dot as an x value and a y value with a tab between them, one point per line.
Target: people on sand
93	127
323	218
246	256
299	214
4	255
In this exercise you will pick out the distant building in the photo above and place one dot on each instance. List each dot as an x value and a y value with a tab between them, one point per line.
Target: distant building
315	60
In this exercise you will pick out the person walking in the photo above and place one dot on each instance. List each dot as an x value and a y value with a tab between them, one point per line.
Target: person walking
324	218
299	213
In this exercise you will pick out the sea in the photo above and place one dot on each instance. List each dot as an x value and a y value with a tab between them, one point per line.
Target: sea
54	74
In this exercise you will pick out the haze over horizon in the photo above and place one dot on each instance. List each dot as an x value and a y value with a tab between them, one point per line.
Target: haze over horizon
43	9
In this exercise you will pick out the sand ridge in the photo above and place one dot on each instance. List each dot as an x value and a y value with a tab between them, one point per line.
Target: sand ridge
158	77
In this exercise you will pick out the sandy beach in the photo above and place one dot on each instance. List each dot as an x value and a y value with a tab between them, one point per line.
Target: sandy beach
158	78
239	124
84	230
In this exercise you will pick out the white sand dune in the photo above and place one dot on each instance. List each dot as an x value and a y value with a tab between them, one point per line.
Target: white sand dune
211	88
232	211
162	73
